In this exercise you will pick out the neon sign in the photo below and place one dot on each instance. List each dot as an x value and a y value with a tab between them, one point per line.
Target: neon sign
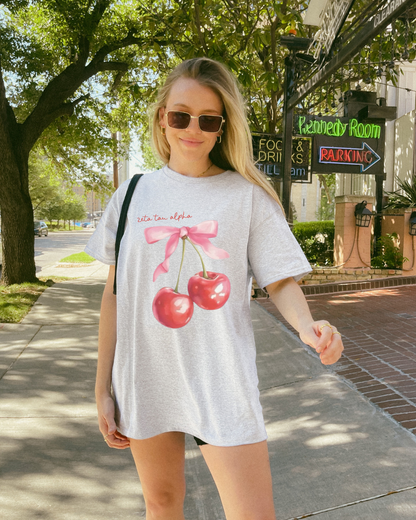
365	157
338	128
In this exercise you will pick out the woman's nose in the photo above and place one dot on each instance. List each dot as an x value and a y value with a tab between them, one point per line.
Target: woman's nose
194	125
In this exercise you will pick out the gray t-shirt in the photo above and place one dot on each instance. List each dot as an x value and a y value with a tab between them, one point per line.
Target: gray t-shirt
188	363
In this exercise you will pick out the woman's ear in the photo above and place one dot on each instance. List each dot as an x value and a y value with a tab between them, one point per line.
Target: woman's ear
162	117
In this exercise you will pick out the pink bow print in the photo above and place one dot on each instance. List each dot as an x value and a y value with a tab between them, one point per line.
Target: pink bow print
199	235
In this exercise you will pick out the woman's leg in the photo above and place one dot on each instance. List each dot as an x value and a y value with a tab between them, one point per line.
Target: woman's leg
243	478
160	463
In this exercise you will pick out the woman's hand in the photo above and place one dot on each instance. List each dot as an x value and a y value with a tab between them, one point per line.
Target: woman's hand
325	339
107	424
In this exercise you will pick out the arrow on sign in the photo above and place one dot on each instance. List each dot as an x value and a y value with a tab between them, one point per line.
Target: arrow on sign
364	157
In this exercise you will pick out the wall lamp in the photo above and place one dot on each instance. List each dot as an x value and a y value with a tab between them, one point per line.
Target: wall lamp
412	223
362	214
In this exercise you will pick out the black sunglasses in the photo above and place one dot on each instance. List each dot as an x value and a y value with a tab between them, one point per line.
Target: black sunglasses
181	120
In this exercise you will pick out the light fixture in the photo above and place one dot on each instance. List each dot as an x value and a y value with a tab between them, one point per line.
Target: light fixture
295	43
412	223
362	214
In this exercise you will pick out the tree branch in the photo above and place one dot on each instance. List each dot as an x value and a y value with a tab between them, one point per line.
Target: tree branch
113	65
52	101
201	35
130	39
92	20
245	40
118	79
59	89
65	109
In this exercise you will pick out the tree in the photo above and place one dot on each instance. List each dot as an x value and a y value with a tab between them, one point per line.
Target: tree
43	184
73	209
326	209
48	78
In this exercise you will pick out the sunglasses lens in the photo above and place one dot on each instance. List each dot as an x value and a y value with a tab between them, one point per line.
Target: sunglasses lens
210	123
179	120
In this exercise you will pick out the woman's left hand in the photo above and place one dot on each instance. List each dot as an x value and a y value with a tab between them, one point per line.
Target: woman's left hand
325	339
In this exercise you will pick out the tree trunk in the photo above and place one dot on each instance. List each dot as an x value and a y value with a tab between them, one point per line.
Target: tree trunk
17	222
18	239
322	180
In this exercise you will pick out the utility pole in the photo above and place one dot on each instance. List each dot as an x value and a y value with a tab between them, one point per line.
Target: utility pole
287	134
115	162
293	43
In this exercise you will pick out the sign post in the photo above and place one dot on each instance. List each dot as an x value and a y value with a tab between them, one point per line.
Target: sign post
287	133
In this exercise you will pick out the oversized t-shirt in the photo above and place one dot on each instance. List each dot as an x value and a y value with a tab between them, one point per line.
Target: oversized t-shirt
185	357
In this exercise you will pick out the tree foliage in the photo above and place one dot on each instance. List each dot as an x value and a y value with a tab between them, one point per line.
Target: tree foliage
61	63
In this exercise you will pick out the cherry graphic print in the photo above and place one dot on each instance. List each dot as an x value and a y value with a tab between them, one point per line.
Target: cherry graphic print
208	290
172	309
209	293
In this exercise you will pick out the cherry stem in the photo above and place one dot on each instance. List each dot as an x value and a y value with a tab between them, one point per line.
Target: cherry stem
203	266
180	268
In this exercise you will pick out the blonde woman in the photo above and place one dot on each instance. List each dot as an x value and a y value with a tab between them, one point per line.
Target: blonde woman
176	348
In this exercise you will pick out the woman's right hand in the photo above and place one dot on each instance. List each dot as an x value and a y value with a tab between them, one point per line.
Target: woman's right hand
107	423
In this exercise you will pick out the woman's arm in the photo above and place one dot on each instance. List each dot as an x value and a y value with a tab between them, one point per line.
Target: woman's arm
107	335
320	335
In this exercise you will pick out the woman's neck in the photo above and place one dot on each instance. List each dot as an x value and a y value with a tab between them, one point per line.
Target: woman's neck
197	169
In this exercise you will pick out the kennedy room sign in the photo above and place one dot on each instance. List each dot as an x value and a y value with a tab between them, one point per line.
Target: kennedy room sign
344	145
267	149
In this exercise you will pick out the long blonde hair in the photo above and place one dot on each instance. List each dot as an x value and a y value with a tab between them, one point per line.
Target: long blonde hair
235	152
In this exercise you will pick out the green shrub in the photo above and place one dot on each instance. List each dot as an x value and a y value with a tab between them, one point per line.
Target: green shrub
316	240
390	256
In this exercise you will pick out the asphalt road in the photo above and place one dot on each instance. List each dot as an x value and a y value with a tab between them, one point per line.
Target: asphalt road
57	245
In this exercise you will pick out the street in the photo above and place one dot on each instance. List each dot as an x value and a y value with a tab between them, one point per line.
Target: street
49	250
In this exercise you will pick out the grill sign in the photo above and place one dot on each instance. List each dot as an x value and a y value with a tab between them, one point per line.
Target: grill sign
365	157
268	148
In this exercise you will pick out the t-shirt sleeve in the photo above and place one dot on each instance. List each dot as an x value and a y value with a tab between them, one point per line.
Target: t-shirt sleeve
273	252
101	245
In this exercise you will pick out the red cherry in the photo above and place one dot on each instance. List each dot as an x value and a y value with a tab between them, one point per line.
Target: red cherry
209	293
172	309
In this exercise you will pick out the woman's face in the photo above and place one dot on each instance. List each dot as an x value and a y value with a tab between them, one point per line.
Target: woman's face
191	144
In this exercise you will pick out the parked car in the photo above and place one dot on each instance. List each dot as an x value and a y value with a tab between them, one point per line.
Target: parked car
40	228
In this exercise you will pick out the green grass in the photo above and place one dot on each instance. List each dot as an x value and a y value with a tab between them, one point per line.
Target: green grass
17	300
81	258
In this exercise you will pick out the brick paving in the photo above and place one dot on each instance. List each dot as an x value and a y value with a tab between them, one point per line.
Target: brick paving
378	328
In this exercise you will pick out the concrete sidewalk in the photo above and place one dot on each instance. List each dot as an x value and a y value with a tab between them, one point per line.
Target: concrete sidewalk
334	455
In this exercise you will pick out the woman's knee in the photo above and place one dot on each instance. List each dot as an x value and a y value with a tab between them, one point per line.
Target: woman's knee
167	499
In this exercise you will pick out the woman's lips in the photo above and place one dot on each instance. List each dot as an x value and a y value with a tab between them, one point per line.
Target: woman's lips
191	143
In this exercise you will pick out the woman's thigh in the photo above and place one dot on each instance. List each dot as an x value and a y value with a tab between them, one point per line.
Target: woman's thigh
243	478
160	463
